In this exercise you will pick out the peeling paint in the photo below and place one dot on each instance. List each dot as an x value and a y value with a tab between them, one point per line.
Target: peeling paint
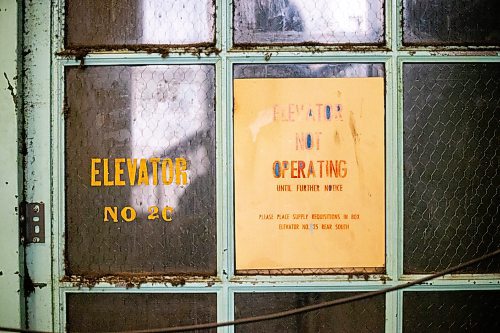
135	280
80	52
11	90
311	47
29	286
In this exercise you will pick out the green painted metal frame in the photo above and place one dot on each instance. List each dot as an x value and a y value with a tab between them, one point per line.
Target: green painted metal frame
37	94
12	303
50	307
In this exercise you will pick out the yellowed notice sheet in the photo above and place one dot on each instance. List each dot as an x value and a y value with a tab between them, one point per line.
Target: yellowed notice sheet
309	173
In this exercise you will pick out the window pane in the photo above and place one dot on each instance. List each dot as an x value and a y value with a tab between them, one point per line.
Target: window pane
323	220
444	22
110	312
108	23
164	117
451	311
249	71
342	318
309	22
451	179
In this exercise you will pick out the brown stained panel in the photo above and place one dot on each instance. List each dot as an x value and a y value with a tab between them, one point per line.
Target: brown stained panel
111	312
358	317
270	22
247	71
140	112
111	23
458	22
451	161
451	311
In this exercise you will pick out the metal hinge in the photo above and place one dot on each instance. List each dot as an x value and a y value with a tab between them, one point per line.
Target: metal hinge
33	218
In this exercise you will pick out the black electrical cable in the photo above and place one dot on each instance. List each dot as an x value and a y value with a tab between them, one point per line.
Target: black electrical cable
302	309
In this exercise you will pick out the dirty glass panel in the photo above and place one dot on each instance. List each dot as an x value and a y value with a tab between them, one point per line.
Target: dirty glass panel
141	139
361	316
451	154
308	22
118	24
248	71
444	22
451	311
111	312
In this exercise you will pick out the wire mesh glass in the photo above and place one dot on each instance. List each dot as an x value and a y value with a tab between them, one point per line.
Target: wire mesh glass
443	22
451	311
451	163
308	22
111	312
320	70
129	23
141	137
362	316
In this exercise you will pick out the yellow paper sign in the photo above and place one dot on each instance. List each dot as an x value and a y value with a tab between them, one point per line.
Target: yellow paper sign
309	173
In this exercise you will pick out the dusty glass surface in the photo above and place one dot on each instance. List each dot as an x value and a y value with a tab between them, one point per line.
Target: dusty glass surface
312	22
451	311
362	316
111	312
248	71
149	132
451	162
444	22
101	23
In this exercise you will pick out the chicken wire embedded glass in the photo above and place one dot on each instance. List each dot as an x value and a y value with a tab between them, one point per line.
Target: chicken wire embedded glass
152	113
319	70
250	71
118	24
111	312
451	153
443	22
451	311
270	22
341	318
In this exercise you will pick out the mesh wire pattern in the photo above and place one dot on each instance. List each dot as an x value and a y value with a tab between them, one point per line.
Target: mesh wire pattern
451	155
459	22
268	22
140	112
343	318
451	311
250	71
127	23
333	70
109	312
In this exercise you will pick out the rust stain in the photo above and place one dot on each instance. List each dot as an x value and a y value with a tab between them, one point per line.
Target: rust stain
313	47
11	90
352	126
384	279
241	275
80	52
135	280
355	135
337	137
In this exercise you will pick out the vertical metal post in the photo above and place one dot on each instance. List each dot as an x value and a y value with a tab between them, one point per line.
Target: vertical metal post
36	50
